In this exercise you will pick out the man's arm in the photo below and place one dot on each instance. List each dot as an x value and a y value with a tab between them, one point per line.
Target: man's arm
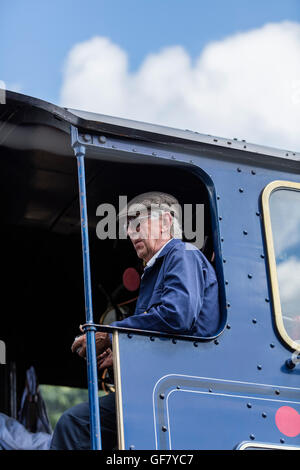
181	298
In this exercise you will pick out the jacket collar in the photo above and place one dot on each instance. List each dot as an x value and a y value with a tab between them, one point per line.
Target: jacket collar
167	247
162	252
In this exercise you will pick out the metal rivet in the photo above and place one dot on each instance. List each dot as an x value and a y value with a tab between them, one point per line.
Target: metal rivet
173	157
131	447
257	213
195	344
259	367
228	304
154	154
222	239
264	415
282	441
129	335
289	364
249	405
252	437
245	232
174	341
272	345
151	338
216	341
228	326
224	260
267	299
87	137
218	197
253	172
254	320
241	190
164	428
162	396
250	276
178	387
210	390
226	282
102	139
239	170
277	392
134	150
262	256
220	218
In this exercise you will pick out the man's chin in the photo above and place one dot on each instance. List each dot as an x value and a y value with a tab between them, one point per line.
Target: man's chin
140	250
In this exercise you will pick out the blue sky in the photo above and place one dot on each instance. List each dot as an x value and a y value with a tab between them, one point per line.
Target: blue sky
35	35
44	43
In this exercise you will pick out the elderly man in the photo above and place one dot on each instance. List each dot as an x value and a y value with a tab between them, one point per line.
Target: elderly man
178	295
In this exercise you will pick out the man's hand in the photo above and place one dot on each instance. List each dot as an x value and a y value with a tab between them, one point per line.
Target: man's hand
105	360
102	343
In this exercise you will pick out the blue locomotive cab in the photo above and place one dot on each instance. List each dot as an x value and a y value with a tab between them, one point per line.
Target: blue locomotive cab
236	389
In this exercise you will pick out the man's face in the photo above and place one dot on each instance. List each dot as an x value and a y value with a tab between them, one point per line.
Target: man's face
149	233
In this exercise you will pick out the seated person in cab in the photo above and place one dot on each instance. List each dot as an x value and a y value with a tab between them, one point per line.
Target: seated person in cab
178	295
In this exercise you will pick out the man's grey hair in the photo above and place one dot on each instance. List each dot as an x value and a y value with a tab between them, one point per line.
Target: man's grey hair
156	201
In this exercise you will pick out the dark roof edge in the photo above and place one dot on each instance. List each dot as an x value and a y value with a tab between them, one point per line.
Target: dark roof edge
143	131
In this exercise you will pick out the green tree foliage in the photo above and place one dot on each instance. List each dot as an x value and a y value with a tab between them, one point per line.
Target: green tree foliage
59	399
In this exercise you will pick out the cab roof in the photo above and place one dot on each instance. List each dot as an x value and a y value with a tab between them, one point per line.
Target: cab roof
22	109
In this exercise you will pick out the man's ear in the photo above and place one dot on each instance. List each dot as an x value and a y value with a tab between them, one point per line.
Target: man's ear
166	223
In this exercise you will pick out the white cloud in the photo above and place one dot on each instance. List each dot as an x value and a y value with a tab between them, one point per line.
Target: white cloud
246	86
285	220
288	277
288	274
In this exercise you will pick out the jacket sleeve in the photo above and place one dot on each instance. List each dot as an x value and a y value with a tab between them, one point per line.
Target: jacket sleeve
181	297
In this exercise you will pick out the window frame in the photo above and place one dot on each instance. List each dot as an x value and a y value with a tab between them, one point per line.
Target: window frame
271	258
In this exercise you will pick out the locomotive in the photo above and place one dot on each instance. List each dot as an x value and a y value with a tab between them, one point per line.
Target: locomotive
238	389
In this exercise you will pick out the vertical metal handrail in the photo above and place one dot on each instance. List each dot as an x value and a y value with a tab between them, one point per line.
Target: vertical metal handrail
89	329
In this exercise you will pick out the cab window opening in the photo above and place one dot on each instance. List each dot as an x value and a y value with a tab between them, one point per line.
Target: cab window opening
44	249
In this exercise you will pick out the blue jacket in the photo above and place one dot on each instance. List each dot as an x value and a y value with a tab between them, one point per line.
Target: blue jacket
178	294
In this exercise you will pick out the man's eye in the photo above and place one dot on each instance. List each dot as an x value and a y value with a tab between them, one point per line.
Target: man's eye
129	221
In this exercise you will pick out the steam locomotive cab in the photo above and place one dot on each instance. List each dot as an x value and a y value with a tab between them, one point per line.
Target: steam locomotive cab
237	389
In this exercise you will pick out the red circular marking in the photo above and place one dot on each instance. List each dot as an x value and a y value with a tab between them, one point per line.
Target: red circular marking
131	279
287	420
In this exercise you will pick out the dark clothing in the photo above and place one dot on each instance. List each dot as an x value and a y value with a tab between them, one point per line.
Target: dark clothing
73	428
178	294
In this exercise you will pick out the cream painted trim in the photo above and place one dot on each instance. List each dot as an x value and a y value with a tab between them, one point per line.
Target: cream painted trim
271	257
261	445
118	386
